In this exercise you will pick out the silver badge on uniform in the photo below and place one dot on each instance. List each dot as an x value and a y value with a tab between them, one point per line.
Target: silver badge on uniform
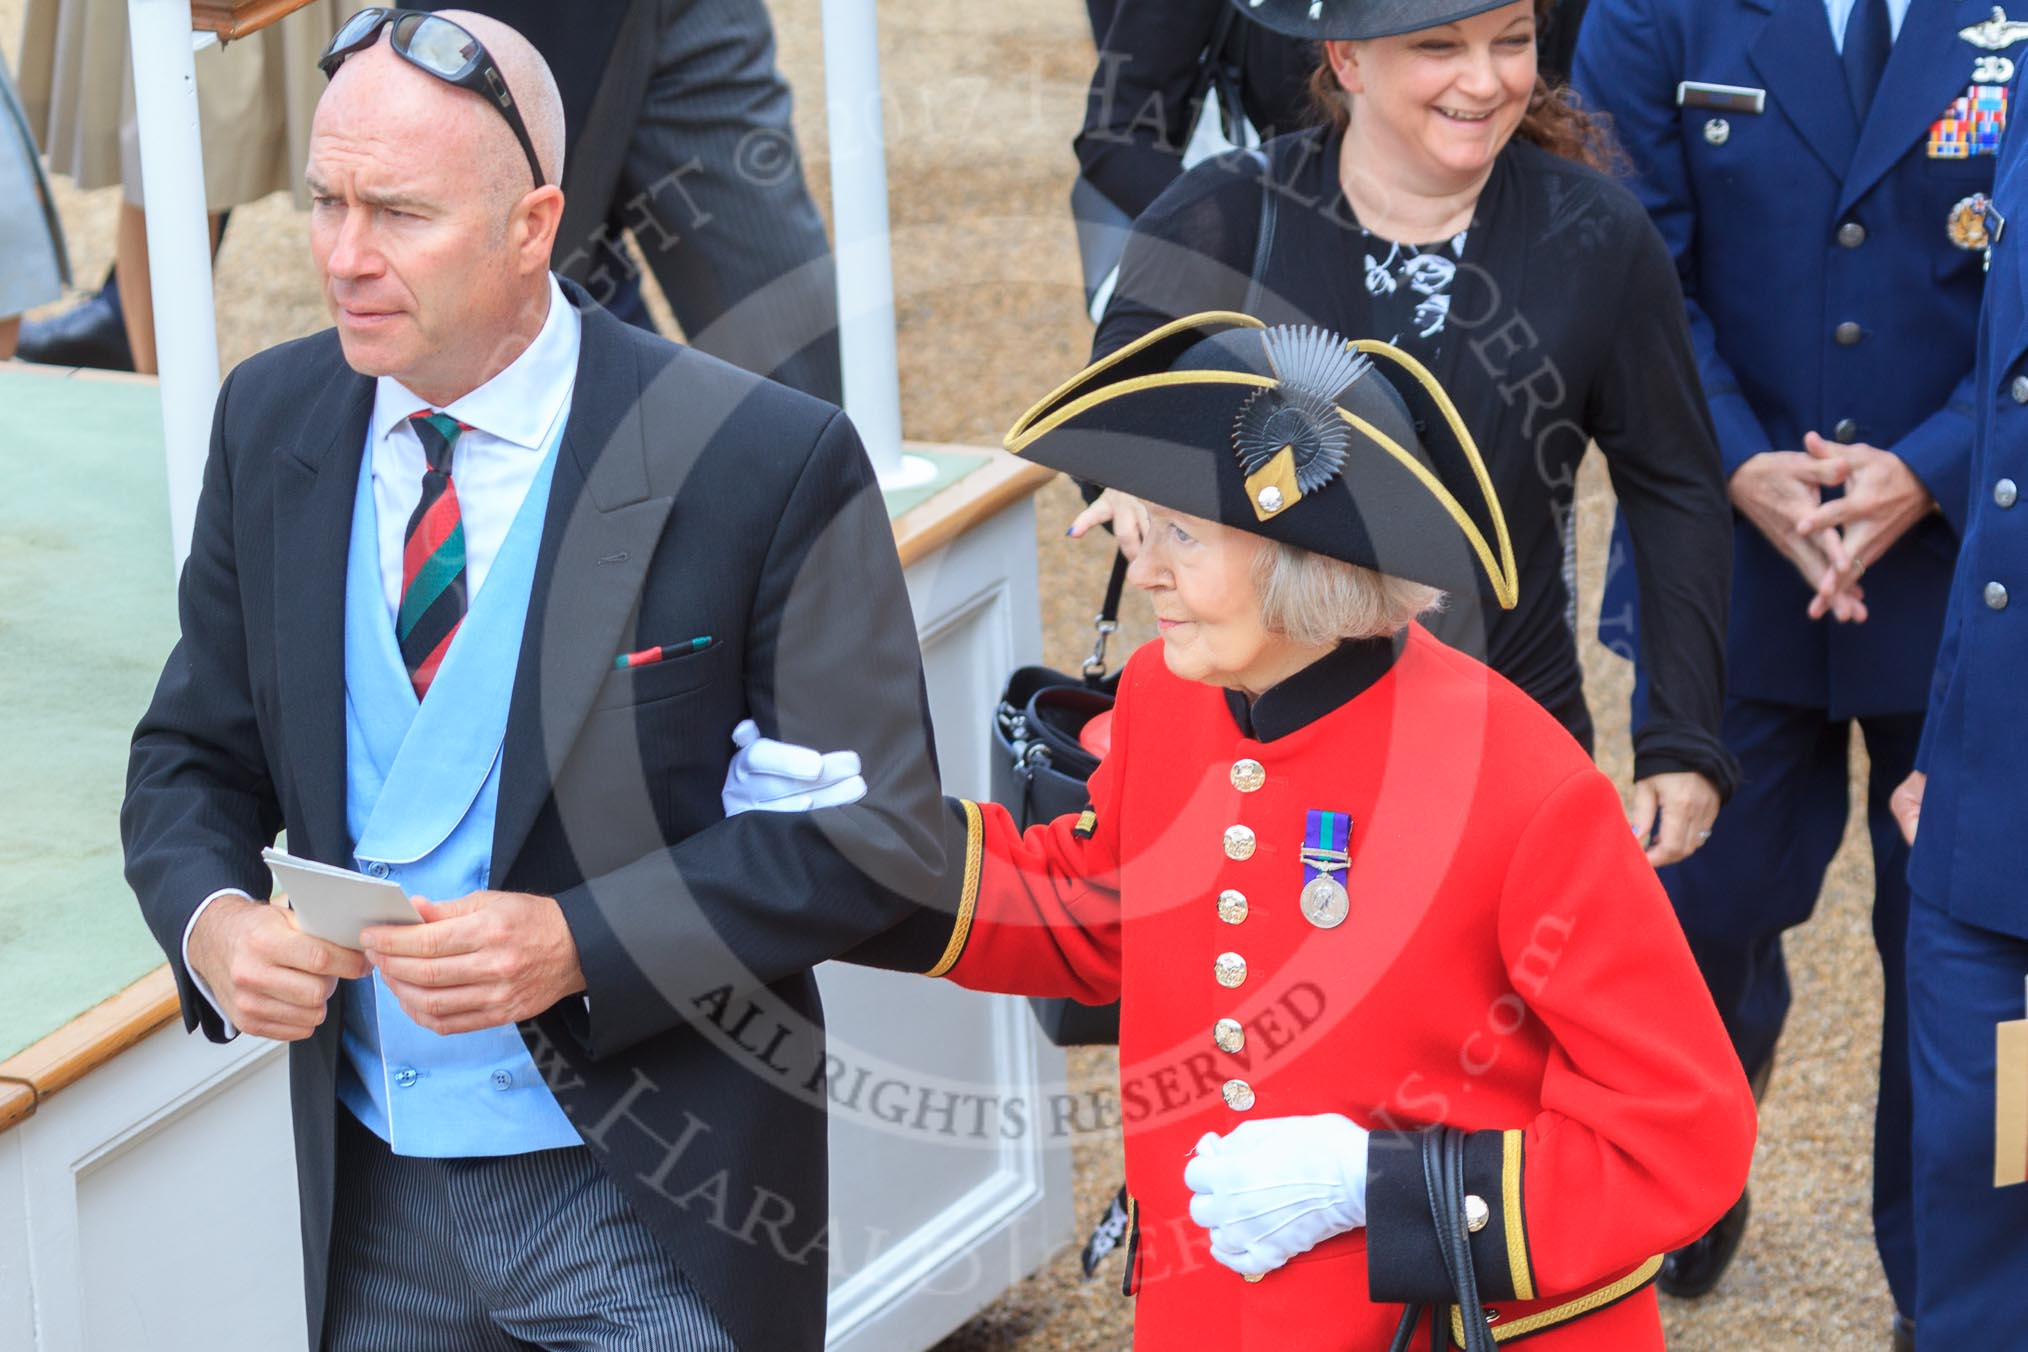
1997	33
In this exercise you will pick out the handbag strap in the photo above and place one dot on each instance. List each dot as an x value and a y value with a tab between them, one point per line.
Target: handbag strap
1219	69
1264	241
1107	620
1443	1170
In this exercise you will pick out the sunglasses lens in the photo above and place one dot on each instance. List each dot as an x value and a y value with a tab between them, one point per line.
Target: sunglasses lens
442	47
357	28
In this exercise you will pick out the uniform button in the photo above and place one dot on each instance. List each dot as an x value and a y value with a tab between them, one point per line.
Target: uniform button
1230	969
1238	1095
1232	906
502	1080
1238	842
2019	389
1229	1036
2004	493
377	869
1477	1213
1848	334
1996	596
406	1077
1248	775
1846	430
1851	234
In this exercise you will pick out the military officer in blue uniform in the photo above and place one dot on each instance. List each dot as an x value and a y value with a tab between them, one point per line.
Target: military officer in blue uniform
1968	916
1817	168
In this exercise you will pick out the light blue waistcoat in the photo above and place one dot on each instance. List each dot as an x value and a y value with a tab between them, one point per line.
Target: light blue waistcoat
421	793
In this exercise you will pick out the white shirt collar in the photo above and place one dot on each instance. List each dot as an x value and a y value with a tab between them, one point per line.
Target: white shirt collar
518	405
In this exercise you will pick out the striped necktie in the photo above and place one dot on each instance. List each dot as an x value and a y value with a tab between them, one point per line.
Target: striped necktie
432	557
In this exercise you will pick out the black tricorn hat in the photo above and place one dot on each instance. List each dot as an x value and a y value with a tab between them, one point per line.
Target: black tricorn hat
1326	20
1288	432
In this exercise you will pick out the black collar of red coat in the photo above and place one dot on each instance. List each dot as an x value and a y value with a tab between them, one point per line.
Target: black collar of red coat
1331	682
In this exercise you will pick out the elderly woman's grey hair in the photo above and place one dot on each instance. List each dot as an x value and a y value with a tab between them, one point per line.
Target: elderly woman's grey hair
1317	600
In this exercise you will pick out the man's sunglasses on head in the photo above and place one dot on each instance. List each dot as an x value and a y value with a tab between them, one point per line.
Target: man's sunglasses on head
440	48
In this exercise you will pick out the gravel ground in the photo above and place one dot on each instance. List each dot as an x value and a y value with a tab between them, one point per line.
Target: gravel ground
981	104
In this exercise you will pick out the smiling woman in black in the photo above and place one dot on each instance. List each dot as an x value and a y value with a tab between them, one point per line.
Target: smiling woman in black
1537	291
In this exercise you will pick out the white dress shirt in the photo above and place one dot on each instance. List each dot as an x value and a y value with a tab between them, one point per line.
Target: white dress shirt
510	419
1841	11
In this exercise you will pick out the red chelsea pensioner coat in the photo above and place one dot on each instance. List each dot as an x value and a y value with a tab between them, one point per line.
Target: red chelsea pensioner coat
1509	966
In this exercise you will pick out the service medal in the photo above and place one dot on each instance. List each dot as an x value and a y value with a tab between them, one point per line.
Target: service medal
1967	225
1327	839
1325	903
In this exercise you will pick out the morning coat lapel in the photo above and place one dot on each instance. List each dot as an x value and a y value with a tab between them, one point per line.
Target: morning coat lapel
316	476
1805	81
598	537
1929	66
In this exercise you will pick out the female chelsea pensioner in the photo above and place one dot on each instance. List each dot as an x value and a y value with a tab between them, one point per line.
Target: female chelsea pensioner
1345	880
1451	205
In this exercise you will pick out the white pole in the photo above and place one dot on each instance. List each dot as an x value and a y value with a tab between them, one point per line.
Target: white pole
179	247
864	247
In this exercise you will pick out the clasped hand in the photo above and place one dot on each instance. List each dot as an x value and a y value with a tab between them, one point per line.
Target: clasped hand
1831	543
1275	1187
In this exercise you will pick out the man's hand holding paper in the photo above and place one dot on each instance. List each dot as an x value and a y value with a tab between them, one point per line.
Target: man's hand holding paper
267	977
483	960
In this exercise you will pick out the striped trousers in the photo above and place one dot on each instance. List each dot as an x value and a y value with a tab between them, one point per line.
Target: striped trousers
513	1252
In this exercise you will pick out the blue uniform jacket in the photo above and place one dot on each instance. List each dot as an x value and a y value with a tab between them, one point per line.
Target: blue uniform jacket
1789	227
1975	744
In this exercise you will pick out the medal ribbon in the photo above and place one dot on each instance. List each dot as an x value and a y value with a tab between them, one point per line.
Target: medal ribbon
1327	842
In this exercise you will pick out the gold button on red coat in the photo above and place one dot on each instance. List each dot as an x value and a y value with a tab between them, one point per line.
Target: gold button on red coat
1230	969
1239	842
1238	1095
1229	1036
1232	906
1248	775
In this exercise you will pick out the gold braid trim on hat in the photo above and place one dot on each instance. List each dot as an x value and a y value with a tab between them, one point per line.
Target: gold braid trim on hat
1502	573
1023	435
1025	428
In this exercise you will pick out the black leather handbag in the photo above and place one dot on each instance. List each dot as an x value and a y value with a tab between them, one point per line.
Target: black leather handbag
1040	772
1443	1171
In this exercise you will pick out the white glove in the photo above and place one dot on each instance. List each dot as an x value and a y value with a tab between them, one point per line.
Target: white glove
1276	1187
770	776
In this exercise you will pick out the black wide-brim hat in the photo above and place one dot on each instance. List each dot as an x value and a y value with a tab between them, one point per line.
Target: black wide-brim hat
1353	20
1292	433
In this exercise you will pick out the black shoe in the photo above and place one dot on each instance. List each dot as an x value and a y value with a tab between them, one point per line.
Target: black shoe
92	334
1694	1269
1904	1333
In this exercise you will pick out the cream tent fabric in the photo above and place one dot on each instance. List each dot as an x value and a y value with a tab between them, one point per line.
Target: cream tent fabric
255	98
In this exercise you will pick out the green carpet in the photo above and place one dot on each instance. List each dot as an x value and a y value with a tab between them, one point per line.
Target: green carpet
87	614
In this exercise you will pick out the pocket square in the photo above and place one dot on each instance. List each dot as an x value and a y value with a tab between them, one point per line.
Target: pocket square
647	657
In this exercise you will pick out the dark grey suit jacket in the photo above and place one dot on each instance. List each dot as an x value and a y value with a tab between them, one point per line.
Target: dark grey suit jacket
690	498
